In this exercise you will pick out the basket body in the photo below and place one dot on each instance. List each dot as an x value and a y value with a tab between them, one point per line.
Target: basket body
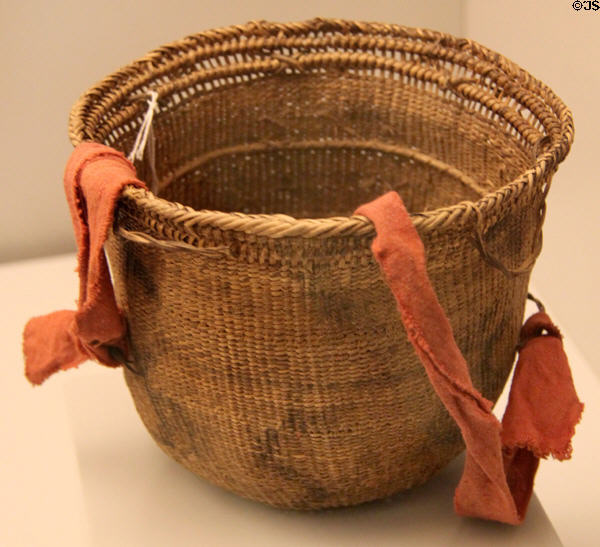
280	369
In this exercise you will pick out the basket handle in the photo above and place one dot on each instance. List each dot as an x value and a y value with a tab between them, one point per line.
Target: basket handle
527	265
543	407
94	178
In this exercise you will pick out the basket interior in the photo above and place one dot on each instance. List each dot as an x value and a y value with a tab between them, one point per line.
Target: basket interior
315	139
321	144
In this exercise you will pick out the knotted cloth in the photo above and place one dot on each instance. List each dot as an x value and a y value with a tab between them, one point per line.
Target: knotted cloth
94	177
501	459
543	408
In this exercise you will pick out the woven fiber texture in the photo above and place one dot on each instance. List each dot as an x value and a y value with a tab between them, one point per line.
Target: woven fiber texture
268	355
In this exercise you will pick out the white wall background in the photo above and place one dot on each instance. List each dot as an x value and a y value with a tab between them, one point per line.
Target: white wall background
53	51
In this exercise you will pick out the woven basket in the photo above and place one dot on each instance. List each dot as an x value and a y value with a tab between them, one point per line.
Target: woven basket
268	355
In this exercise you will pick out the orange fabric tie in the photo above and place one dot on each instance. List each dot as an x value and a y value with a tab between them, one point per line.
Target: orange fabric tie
543	409
94	177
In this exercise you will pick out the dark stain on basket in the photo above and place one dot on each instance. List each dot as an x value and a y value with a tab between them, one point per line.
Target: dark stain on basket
342	308
337	307
177	429
295	420
137	272
444	432
269	457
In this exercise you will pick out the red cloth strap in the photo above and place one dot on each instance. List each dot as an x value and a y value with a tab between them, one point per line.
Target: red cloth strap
501	459
94	177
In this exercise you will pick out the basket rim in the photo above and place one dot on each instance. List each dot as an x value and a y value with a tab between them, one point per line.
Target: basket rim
282	225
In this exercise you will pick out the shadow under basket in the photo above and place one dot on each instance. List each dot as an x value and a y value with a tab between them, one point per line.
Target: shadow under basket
267	353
